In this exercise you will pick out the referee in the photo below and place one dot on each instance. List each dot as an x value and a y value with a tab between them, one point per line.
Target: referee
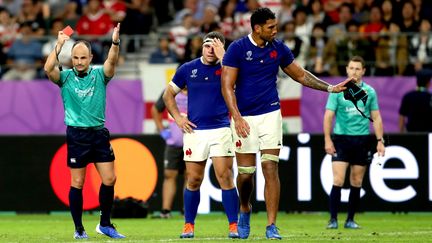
83	90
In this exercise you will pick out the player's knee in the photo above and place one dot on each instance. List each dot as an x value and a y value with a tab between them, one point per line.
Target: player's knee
246	170
194	181
109	180
77	182
269	157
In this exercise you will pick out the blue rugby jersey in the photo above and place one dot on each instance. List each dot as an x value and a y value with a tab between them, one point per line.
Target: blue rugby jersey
206	106
255	89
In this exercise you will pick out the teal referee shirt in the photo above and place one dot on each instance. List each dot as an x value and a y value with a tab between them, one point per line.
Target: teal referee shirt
349	121
84	98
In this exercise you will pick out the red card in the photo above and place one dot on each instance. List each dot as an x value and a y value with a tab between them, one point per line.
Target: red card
68	31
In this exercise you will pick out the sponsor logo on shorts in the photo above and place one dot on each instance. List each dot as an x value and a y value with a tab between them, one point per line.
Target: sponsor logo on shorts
238	144
73	160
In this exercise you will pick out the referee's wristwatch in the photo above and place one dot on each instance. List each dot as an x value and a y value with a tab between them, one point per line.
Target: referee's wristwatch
381	140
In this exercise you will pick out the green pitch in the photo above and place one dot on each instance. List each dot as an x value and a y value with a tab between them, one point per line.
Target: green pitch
376	227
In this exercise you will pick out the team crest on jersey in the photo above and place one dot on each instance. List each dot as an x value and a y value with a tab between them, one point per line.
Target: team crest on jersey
218	72
273	54
249	56
194	72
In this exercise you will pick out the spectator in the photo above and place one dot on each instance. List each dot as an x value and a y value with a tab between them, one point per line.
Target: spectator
24	56
285	13
116	9
338	30
387	12
333	8
210	19
138	11
408	22
303	28
391	52
297	45
226	14
179	35
373	26
64	56
13	6
420	48
242	19
163	54
321	55
317	14
353	45
193	49
8	29
415	112
361	11
31	13
92	26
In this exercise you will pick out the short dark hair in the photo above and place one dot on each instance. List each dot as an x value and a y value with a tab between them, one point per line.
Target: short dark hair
358	59
215	34
260	16
422	79
86	43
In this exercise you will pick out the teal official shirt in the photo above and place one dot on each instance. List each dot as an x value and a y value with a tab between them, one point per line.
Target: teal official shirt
84	98
349	121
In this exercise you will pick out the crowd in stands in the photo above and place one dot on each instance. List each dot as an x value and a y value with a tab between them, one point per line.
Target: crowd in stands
394	36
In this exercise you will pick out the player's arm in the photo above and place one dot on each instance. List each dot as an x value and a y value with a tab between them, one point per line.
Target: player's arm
402	121
169	98
157	116
379	131
299	74
51	64
229	77
111	61
327	126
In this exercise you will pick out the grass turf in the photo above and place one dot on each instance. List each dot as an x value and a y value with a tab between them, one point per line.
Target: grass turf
306	227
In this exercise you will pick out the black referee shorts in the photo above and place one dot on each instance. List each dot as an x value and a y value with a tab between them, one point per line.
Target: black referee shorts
88	145
356	150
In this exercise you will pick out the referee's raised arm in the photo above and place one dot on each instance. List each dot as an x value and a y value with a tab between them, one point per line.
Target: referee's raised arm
50	67
111	61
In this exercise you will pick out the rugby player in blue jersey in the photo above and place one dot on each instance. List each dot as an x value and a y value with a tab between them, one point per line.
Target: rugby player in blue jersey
206	128
83	89
249	74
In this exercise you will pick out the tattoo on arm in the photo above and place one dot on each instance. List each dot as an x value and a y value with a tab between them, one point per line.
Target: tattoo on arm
313	82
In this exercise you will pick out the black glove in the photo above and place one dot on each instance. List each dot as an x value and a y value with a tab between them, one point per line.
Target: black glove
354	93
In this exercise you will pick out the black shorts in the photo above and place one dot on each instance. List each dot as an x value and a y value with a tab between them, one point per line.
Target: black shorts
173	158
355	150
87	145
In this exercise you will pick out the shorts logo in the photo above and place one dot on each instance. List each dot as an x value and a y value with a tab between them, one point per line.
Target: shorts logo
238	144
73	160
188	152
279	143
249	56
229	151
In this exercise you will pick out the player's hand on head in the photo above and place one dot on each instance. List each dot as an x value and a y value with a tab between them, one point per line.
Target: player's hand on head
242	127
218	48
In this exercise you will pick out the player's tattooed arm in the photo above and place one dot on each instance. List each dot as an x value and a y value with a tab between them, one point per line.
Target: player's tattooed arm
299	74
313	82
